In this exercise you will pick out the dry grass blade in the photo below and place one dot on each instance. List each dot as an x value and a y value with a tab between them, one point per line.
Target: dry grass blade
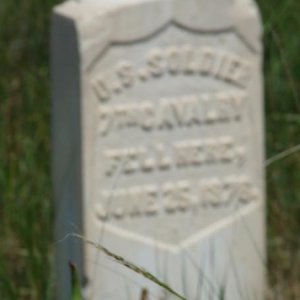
282	155
133	267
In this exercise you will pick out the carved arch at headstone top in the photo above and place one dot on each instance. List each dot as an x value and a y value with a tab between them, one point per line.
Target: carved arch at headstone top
115	24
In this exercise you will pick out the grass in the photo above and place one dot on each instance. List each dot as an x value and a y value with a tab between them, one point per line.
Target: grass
26	211
282	70
26	206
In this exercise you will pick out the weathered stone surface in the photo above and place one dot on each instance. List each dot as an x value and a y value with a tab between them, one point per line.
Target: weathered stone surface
158	145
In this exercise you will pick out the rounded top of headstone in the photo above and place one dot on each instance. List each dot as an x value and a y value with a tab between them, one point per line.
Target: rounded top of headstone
133	20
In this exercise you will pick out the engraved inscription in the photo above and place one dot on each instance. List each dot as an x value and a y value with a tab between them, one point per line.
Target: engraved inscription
182	154
177	144
175	197
173	61
172	113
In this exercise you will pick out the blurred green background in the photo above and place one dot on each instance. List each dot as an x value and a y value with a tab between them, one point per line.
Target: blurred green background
26	206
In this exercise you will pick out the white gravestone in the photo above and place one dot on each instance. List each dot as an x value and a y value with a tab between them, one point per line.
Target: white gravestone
158	146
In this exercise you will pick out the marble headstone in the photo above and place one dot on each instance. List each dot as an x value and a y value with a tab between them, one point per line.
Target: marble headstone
158	146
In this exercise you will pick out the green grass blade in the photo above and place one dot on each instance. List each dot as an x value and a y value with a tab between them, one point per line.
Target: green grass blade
75	282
